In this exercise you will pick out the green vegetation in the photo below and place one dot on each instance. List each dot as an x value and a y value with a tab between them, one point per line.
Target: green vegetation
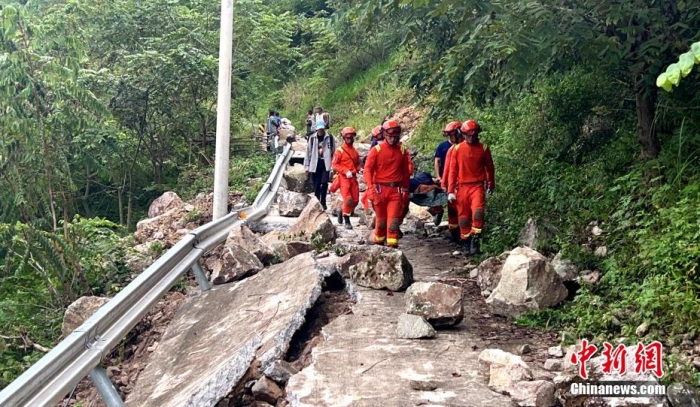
106	107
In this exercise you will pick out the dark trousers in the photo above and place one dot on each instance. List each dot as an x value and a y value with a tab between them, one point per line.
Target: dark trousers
320	178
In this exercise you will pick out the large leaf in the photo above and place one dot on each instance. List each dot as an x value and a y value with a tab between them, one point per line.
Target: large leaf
686	62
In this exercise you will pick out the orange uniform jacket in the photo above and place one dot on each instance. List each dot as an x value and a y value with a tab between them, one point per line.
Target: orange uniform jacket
346	159
387	164
445	176
470	163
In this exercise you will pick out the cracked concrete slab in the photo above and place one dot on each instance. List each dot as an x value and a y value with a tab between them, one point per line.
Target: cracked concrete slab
362	363
212	341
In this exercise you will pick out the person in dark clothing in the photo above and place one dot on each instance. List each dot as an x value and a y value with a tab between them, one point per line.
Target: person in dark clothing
318	161
441	154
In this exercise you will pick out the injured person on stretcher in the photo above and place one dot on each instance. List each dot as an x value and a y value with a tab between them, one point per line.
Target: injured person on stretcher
425	192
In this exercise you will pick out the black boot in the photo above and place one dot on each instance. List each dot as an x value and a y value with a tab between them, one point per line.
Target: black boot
467	245
474	247
347	223
340	217
437	218
455	236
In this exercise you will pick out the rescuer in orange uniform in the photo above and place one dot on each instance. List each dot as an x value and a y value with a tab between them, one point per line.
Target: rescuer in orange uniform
471	166
454	135
387	175
377	135
346	163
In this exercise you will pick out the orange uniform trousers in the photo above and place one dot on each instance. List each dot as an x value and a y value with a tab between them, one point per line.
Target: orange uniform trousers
388	207
471	207
452	215
350	191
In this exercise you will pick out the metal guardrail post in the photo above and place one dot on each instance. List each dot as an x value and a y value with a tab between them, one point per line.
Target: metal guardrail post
109	394
200	276
50	379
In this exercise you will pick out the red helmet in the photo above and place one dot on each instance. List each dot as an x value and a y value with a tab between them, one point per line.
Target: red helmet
377	131
451	127
470	126
391	126
348	131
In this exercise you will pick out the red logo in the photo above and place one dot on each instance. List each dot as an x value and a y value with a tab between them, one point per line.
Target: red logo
580	358
614	359
647	358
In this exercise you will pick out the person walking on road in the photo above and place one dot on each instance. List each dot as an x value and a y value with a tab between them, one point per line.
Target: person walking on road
318	161
387	175
346	163
272	131
322	116
471	167
453	133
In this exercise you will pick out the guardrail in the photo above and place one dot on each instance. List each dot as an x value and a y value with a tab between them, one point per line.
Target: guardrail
50	379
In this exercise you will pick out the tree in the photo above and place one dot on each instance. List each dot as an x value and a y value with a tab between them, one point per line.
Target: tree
480	50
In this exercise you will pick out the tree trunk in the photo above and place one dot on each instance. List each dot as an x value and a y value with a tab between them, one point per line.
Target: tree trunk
86	195
129	204
646	109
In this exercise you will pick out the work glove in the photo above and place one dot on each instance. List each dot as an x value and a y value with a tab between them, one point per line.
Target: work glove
451	198
489	191
348	174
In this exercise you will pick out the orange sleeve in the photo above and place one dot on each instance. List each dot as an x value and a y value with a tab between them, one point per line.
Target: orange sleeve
340	162
408	170
446	171
370	164
452	171
490	170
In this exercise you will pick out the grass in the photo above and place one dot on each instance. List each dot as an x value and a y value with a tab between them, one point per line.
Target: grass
362	102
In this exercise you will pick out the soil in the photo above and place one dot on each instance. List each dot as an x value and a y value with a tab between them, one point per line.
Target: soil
434	256
127	361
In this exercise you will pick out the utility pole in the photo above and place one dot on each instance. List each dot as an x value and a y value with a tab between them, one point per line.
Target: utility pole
223	112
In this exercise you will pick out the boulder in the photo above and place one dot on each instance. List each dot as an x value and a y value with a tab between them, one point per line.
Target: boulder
291	203
79	311
280	371
285	249
164	203
242	236
313	221
363	151
503	369
536	393
352	259
528	283
267	390
419	212
590	277
440	304
489	272
682	394
565	269
335	201
235	264
414	327
295	179
384	269
537	234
